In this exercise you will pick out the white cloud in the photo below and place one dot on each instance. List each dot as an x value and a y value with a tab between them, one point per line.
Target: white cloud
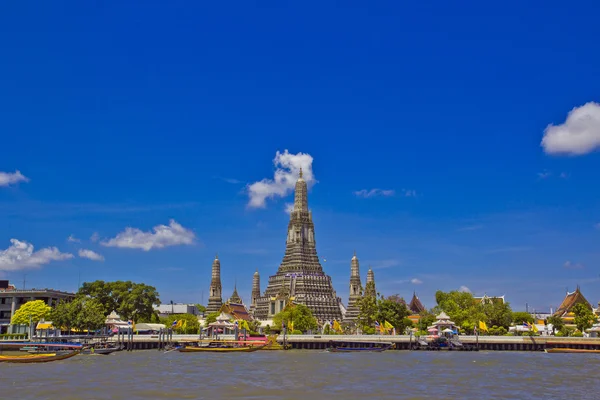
163	236
289	207
385	264
284	180
95	237
464	289
470	228
572	265
89	254
579	134
564	175
20	255
416	281
409	193
544	174
73	239
8	178
374	192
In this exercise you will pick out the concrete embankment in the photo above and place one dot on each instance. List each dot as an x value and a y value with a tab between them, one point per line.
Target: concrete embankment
402	342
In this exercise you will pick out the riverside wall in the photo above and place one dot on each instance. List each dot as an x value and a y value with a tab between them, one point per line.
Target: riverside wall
402	342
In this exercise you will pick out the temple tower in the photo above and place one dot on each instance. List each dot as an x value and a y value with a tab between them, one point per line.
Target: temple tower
300	277
215	300
355	290
370	285
255	290
235	297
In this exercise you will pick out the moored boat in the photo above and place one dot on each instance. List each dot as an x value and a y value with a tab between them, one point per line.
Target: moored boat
37	352
568	350
222	347
357	347
37	358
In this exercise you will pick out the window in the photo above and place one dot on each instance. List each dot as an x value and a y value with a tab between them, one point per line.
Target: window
273	308
281	305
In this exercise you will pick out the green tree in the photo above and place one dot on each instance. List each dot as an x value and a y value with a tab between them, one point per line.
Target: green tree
210	318
299	314
32	311
82	313
584	317
557	323
129	299
498	314
520	317
461	307
393	310
190	324
201	308
367	311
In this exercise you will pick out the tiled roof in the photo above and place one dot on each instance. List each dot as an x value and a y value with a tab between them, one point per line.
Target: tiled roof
415	305
238	311
571	299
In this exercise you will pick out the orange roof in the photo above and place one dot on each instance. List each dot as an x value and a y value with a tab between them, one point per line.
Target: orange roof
571	299
238	311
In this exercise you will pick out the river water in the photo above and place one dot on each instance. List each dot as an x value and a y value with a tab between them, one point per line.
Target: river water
307	375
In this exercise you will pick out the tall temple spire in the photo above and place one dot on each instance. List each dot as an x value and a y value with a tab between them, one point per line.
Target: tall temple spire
355	290
300	277
255	290
235	297
215	301
370	289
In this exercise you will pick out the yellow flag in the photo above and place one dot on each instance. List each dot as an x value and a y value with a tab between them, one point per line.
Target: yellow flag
184	326
483	326
336	326
388	325
178	324
534	328
291	326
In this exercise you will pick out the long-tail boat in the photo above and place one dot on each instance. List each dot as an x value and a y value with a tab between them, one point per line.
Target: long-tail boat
44	352
223	347
567	350
352	347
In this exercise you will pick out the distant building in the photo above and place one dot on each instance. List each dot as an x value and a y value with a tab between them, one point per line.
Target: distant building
11	299
485	299
164	310
571	299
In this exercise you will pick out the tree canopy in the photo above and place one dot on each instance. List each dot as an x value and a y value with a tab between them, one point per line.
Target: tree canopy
36	310
584	317
391	309
299	314
520	317
190	324
466	312
129	299
210	318
81	313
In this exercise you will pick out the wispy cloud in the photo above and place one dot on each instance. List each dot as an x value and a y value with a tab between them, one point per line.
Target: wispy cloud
409	193
10	178
572	265
170	269
233	181
470	228
564	175
416	281
365	193
95	237
544	174
163	236
464	289
287	169
597	226
73	239
20	255
90	255
579	134
289	207
508	249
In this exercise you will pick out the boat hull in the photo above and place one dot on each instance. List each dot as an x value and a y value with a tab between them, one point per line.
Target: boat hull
37	358
193	349
567	350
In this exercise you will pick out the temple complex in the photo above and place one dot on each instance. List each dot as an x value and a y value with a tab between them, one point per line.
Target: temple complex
235	297
300	277
355	290
565	312
415	305
255	291
215	300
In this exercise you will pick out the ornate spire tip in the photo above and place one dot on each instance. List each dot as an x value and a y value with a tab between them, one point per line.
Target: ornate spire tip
300	174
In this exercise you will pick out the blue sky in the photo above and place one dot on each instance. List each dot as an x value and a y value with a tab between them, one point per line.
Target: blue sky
424	124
